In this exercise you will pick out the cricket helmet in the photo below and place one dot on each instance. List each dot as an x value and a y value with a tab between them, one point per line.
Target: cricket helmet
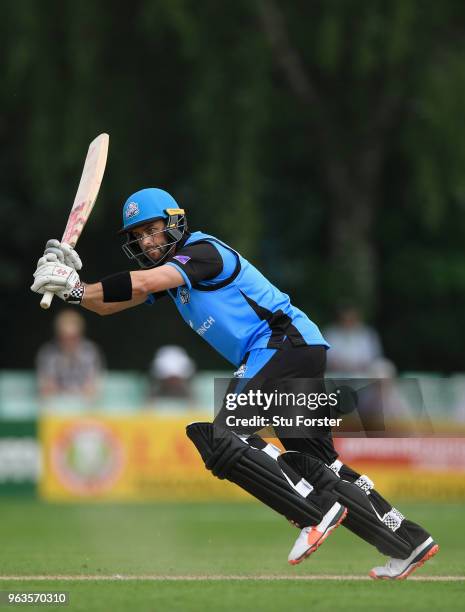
149	205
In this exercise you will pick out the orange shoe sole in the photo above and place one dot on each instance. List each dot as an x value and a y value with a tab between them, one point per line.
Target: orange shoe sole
431	552
316	545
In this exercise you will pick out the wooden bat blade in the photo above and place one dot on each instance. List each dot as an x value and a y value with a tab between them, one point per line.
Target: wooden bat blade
89	185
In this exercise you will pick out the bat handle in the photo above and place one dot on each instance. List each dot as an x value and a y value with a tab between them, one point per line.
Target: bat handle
46	300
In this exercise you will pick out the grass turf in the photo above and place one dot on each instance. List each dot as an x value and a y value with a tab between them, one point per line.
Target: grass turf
205	539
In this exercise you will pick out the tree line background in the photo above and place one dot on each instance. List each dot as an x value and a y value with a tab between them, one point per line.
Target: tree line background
324	139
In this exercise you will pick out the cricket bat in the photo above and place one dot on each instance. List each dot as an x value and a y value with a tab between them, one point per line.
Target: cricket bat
89	185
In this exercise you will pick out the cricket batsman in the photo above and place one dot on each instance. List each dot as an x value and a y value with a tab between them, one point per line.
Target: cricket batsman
244	317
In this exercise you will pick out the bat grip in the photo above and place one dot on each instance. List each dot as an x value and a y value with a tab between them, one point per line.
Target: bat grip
46	300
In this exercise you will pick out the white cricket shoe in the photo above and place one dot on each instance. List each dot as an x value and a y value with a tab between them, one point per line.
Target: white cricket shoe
311	538
399	569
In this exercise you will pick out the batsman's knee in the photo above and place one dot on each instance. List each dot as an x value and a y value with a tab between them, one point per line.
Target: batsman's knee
252	464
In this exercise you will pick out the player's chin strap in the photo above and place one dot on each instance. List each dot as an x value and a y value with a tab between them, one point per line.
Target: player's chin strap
251	464
170	248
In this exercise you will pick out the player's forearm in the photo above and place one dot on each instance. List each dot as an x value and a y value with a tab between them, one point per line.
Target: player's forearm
94	298
157	279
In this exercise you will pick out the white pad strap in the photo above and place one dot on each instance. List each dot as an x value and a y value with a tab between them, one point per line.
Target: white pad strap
336	466
393	519
303	487
365	483
272	450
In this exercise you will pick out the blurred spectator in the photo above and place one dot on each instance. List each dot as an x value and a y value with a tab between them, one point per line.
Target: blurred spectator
171	373
69	365
356	352
355	347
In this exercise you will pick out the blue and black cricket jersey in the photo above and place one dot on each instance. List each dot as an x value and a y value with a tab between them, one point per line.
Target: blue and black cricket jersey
228	302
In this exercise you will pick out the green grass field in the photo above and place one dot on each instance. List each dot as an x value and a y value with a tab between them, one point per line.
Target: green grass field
212	540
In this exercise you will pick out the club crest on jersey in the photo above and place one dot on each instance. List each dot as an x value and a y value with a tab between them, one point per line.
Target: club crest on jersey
132	210
184	295
182	258
240	373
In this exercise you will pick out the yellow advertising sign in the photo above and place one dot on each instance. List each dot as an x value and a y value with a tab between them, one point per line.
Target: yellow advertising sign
149	457
141	457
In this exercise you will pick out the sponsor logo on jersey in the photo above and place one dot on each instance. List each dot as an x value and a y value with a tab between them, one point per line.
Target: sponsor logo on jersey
184	295
182	258
132	210
205	326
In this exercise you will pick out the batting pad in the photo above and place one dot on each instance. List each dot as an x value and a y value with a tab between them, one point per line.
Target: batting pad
230	457
363	518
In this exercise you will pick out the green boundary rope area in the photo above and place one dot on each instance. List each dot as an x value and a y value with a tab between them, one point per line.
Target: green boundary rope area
213	556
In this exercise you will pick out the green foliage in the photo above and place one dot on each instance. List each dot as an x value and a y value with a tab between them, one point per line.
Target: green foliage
323	139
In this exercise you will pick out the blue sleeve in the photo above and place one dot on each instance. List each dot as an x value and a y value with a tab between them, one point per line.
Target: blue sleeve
229	261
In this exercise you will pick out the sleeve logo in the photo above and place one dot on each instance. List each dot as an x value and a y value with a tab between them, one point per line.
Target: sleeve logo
182	258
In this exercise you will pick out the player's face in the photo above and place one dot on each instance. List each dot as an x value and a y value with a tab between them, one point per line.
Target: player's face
152	238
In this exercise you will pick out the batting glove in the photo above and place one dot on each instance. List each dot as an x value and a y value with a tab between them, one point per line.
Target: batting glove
65	254
59	279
